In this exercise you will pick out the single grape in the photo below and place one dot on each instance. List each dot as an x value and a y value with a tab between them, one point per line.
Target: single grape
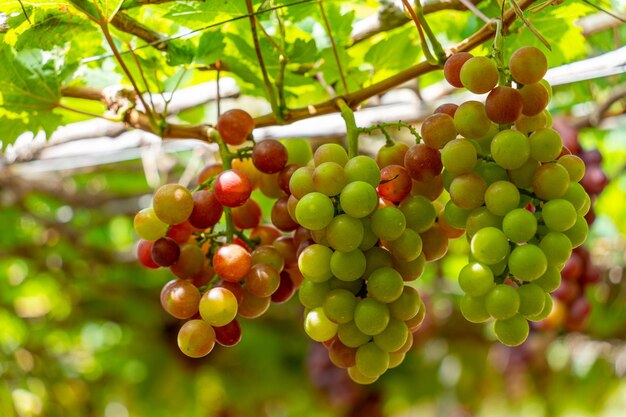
388	223
489	246
229	334
246	216
419	213
385	285
547	309
209	172
527	262
459	156
269	156
269	255
363	168
510	149
545	145
318	326
268	184
437	130
429	188
252	306
371	317
350	335
301	182
559	215
284	177
434	243
299	151
574	165
391	154
407	247
286	289
519	225
207	210
369	238
181	232
341	355
262	280
357	377
522	177
345	233
218	306
528	65
468	191
550	181
348	266
395	184
512	331
393	337
447	108
315	211
476	279
502	302
578	233
416	322
330	152
455	216
232	262
234	126
358	199
479	219
528	124
479	74
148	226
232	188
473	309
190	261
180	298
535	98
375	258
339	306
314	263
422	162
532	299
371	360
329	178
312	294
407	305
144	254
471	120
196	338
247	168
172	203
501	197
165	251
452	68
504	105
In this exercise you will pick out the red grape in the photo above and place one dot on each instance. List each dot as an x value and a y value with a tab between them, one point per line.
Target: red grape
207	210
235	126
144	249
285	289
247	216
228	335
422	163
395	183
269	156
232	188
452	68
232	262
165	251
281	217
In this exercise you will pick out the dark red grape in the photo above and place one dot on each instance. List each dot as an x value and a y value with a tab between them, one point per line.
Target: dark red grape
285	290
207	210
165	251
423	163
285	176
269	156
280	215
228	335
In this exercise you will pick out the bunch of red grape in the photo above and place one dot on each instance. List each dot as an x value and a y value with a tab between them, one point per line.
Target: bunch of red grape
218	281
513	187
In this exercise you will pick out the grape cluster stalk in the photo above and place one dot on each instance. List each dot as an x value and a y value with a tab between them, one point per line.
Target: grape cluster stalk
514	188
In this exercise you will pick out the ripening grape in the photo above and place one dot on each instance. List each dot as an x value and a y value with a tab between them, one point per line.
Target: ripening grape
269	255
268	184
406	306
468	191
341	355
218	306
574	165
391	154
431	188
459	156
491	172
385	285
330	152
207	210
180	298
479	74
363	168
234	126
232	188
262	280
510	149
247	168
209	172
246	216
434	243
280	216
471	120
318	326
479	219
550	181
528	65
545	145
252	306
437	130
447	108
535	98
232	262
269	156
528	124
452	68
196	338
286	289
284	177
422	162
504	105
512	331
190	261
502	302
172	203
148	226
395	183
314	211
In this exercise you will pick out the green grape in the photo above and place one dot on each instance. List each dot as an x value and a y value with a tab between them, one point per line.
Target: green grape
301	182
459	156
298	150
329	178
483	143
489	245
512	331
407	305
547	86
350	335
172	203
468	191
491	172
479	219
339	306
499	268
312	294
471	120
330	152
557	248
502	302
148	226
447	177
353	286
416	322
547	309
476	279
559	215
576	195
412	270
369	238
407	345
315	263
545	145
577	234
314	211
455	216
385	285
523	176
501	197
218	306
393	337
527	262
528	124
319	236
473	309
395	359
407	247
550	181
319	327
357	377
479	75
550	280
510	149
419	212
347	266
388	223
532	299
344	233
519	225
586	205
196	338
375	258
358	199
371	317
371	360
574	165
363	168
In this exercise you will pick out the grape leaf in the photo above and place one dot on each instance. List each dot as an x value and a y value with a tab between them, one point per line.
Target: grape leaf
210	48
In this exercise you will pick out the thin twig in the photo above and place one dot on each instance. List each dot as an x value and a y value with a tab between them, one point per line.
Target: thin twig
142	75
471	7
24	11
425	48
595	6
334	47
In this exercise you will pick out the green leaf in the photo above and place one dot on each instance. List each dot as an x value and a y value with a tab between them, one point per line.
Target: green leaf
395	52
98	10
210	48
180	52
30	84
302	52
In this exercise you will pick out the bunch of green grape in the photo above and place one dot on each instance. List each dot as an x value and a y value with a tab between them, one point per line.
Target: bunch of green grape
364	249
514	188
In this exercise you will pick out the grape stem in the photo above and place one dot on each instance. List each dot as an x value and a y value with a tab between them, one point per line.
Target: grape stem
352	131
227	157
382	127
422	26
497	53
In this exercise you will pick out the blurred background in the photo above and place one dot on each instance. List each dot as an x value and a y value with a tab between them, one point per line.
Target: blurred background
82	332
